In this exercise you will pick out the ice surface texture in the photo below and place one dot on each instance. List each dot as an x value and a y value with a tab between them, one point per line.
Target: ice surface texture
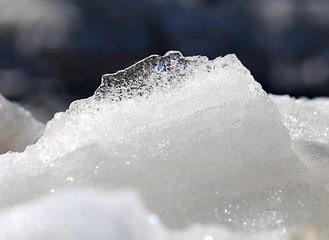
18	128
308	125
199	140
84	215
306	120
141	78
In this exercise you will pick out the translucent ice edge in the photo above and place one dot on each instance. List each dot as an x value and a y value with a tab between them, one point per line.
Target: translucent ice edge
197	139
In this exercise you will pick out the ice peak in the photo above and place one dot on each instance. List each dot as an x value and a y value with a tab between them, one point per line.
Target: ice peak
140	79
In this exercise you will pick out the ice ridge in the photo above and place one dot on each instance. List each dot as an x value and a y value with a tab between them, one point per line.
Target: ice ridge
199	141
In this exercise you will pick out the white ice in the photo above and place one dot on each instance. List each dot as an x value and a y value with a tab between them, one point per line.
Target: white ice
17	127
308	125
84	214
198	140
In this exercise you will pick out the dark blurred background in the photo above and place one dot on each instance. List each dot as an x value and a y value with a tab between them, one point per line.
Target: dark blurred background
55	51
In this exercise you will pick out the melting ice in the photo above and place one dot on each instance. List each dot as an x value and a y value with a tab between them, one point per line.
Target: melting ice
198	140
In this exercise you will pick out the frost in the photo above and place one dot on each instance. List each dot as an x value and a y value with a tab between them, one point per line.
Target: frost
18	128
197	139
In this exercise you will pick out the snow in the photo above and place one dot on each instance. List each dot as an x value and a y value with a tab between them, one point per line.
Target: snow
306	120
18	128
82	214
198	140
308	125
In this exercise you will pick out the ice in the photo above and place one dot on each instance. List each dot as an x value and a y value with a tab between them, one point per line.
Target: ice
78	214
81	214
18	128
197	139
308	125
306	120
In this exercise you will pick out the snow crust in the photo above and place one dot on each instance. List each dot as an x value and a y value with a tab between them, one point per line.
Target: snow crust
198	140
